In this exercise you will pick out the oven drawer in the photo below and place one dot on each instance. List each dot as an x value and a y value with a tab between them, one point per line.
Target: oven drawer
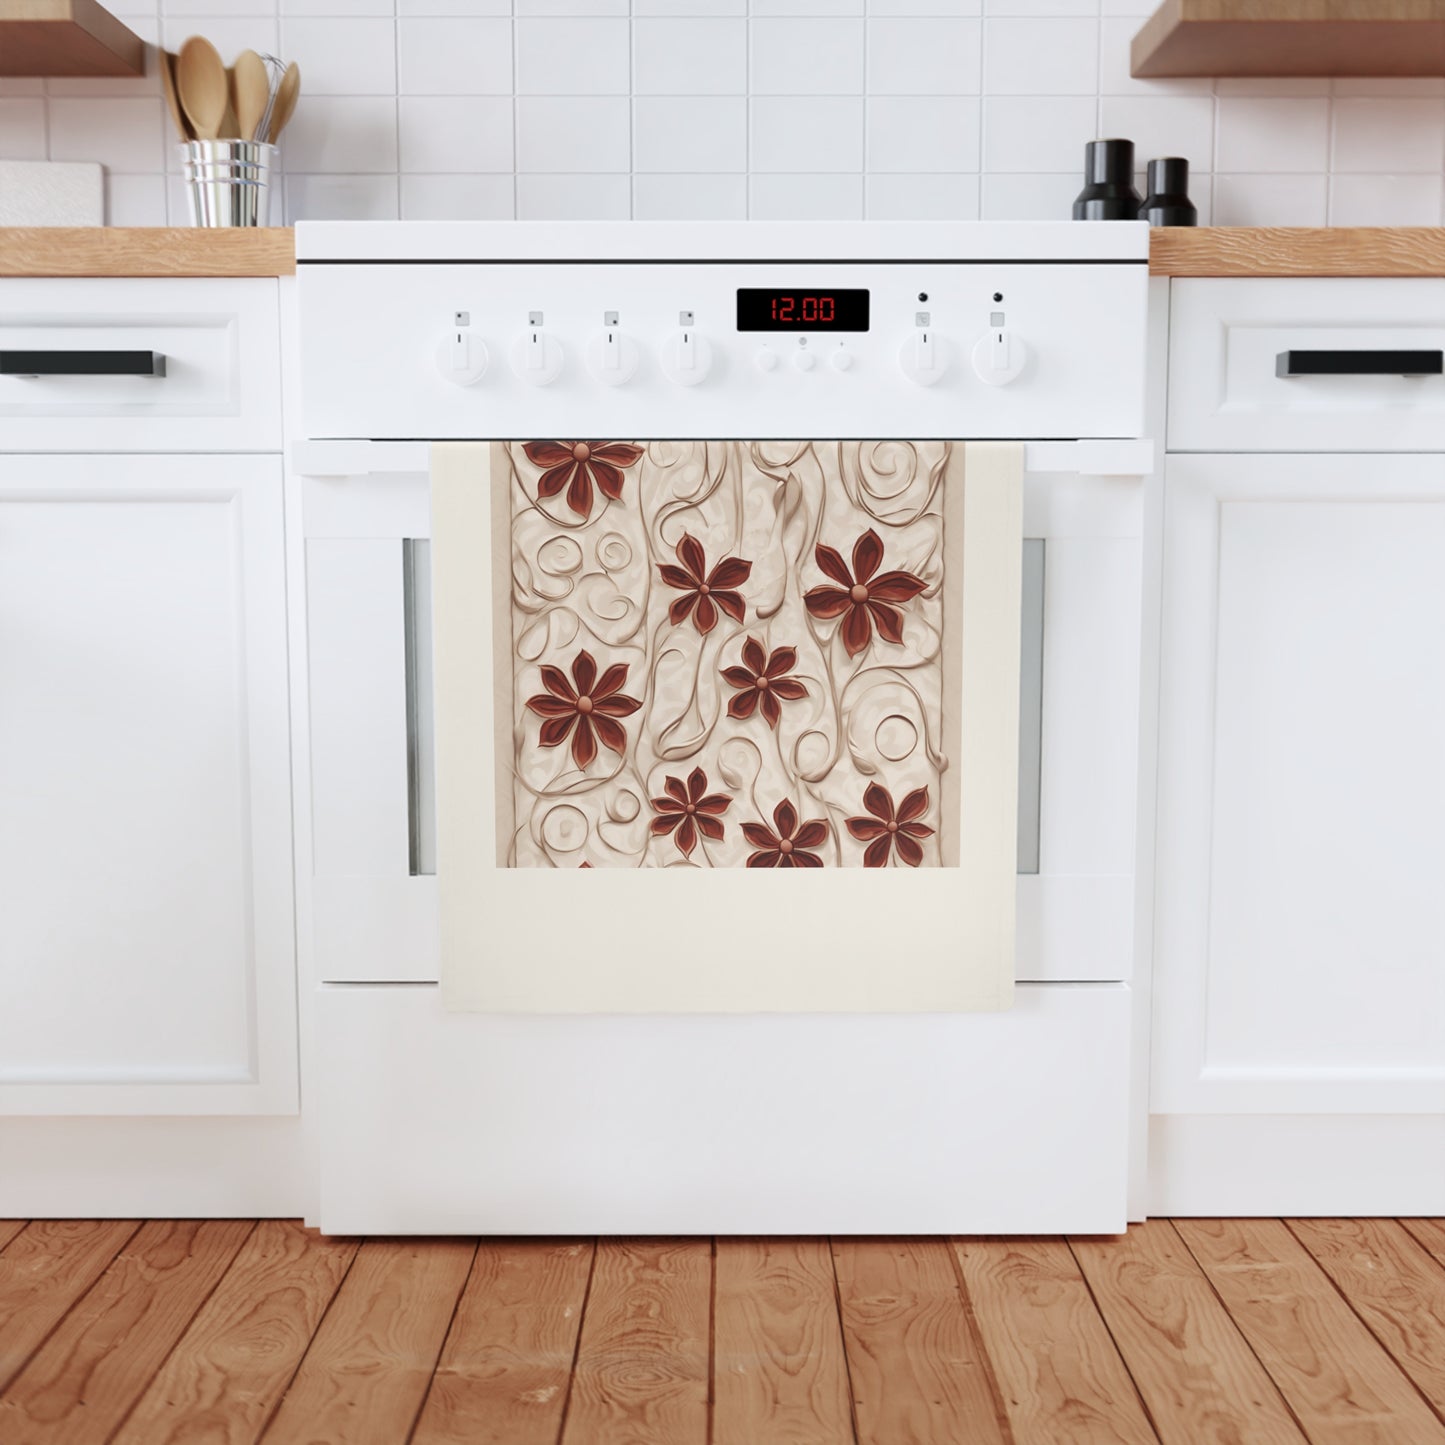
131	365
1307	365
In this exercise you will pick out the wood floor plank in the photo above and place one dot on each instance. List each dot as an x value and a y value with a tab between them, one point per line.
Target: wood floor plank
366	1373
642	1370
918	1371
1200	1381
1394	1285
1059	1373
83	1380
1430	1233
1342	1386
502	1377
228	1371
779	1372
44	1270
9	1228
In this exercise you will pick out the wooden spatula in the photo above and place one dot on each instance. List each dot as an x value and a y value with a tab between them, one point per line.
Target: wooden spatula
250	90
201	87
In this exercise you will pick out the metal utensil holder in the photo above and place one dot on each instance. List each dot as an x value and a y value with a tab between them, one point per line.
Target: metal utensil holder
228	182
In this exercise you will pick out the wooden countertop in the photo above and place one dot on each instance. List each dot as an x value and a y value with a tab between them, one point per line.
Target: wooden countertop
1202	251
148	251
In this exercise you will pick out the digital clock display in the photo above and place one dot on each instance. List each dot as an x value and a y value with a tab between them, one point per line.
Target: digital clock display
771	309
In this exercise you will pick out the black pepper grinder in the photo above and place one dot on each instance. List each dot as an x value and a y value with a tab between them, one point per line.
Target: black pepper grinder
1168	203
1108	193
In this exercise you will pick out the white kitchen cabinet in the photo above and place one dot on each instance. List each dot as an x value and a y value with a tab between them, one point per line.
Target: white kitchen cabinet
146	901
1299	973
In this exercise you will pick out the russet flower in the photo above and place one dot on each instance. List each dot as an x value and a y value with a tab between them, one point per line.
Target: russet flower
761	682
861	599
888	829
704	592
577	465
588	711
689	809
789	846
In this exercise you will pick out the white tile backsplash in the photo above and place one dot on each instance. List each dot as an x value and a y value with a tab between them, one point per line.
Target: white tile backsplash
712	109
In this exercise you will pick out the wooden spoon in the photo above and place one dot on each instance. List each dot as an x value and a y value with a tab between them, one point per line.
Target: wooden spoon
250	90
167	63
201	86
286	94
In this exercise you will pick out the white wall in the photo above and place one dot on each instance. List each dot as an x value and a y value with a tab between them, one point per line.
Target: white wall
732	108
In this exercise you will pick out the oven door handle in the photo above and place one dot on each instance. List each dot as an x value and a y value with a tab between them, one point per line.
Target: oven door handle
1371	362
29	365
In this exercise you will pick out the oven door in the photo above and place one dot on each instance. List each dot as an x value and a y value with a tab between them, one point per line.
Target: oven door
368	859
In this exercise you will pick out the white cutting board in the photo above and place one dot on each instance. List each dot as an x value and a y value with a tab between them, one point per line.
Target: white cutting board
51	193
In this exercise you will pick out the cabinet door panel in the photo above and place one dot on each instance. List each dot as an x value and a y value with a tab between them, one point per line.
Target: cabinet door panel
1301	928
145	863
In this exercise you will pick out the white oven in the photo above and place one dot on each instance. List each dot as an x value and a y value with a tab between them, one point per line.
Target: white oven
730	350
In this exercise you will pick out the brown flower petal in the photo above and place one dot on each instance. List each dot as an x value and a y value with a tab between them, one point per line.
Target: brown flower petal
609	479
555	681
731	603
676	577
806	860
612	734
610	681
677	613
551	482
584	743
618	705
743	704
754	656
759	836
730	572
696	784
916	830
687	836
710	827
857	630
714	803
547	454
863	829
545	705
666	820
876	853
908	850
914	805
827	602
830	560
867	555
706	615
889	621
789	689
879	801
677	789
768	859
738	677
584	672
579	492
784	659
896	587
620	454
771	709
554	731
785	817
693	558
813	834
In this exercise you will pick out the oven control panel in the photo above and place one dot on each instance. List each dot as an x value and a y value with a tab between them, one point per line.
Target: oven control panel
653	349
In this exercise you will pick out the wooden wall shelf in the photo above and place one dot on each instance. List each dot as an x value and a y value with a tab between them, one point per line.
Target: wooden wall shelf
1291	37
66	37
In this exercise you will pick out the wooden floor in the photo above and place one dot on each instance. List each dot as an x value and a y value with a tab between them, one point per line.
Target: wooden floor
1191	1332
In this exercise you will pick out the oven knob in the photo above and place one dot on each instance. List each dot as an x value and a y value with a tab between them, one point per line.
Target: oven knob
462	357
767	359
537	358
925	357
999	356
841	359
687	357
612	357
805	361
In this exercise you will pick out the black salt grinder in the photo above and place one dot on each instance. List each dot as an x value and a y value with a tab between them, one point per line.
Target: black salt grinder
1168	203
1108	193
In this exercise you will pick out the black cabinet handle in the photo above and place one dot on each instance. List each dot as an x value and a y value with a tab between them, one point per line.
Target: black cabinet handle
31	364
1359	363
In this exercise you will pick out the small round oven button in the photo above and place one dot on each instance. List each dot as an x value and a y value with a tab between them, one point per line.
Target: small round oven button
805	361
842	359
767	359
